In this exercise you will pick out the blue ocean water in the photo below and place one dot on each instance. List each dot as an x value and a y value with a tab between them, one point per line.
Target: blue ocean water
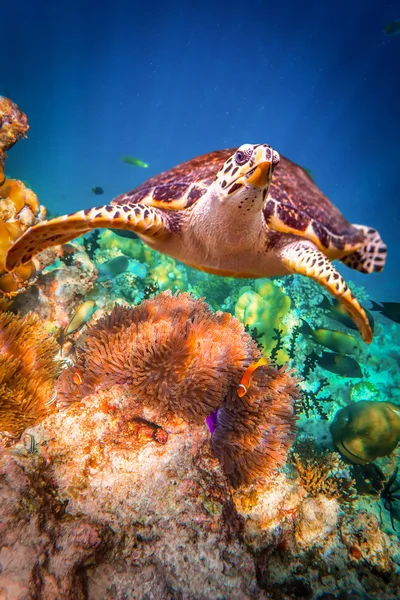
167	81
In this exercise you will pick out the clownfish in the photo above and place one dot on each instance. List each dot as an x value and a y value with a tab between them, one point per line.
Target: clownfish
77	378
248	375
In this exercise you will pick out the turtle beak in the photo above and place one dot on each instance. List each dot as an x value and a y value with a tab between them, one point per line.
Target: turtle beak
260	176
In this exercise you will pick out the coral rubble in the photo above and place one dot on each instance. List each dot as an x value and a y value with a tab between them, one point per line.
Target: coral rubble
105	510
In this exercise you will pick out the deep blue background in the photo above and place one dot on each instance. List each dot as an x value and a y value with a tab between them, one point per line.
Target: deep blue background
163	82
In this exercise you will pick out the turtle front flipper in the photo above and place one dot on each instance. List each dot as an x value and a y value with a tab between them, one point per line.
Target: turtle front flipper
371	257
303	257
143	220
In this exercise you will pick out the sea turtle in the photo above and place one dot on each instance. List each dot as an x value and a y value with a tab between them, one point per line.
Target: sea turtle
224	213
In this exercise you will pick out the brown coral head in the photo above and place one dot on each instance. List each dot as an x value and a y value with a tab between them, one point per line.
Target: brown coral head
254	433
13	124
27	371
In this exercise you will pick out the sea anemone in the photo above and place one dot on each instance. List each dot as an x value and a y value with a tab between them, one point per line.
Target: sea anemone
253	434
179	358
27	371
173	352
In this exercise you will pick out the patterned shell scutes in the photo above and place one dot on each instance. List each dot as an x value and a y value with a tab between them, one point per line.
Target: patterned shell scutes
180	187
296	201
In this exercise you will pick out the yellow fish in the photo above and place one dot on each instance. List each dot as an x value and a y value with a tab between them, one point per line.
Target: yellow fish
81	316
245	382
334	340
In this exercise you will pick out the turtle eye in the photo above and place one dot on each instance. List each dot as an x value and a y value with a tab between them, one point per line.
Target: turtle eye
275	158
240	157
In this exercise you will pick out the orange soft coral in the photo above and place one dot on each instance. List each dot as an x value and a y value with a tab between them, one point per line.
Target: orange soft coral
19	206
27	371
179	358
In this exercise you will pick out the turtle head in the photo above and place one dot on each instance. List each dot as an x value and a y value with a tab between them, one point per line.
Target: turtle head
246	176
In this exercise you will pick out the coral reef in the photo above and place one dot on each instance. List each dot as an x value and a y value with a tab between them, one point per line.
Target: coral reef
104	510
27	371
180	359
265	308
322	473
390	494
252	437
162	271
59	289
19	206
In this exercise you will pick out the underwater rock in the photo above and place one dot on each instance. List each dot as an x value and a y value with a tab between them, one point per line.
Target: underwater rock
42	550
104	507
366	430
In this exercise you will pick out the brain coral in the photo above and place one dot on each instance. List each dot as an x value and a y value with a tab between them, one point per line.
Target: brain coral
180	358
27	371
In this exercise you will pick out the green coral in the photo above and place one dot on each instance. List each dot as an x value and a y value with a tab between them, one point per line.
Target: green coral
364	390
133	248
265	309
163	270
168	276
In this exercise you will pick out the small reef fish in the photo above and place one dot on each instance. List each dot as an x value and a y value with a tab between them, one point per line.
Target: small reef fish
334	340
129	160
112	268
336	312
77	378
245	382
98	191
125	233
339	364
81	316
392	28
390	310
121	264
31	446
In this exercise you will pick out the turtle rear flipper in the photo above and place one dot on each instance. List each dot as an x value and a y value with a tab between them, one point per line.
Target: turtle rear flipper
143	220
303	257
371	256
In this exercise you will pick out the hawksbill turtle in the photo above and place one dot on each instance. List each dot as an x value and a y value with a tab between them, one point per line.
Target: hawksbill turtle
239	213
